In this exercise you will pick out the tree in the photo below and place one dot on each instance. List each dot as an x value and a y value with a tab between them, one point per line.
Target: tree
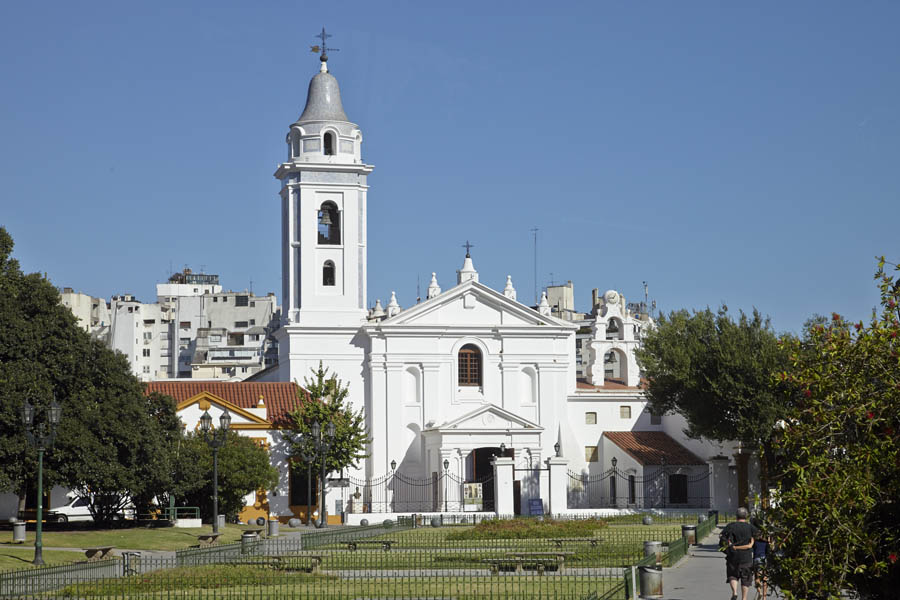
244	467
836	521
717	373
327	403
111	442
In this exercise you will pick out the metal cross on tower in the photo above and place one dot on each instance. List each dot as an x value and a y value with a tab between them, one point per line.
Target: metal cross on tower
467	246
323	48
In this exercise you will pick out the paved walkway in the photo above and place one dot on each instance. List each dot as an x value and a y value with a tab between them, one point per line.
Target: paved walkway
700	575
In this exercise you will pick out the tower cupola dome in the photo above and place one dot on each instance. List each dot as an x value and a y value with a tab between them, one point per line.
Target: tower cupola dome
323	100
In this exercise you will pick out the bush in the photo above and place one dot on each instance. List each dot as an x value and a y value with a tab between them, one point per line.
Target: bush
529	529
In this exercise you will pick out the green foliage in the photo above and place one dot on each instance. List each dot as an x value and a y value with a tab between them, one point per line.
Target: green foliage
837	516
112	439
490	529
327	403
715	372
244	467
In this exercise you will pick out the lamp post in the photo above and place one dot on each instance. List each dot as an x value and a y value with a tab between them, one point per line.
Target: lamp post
215	438
446	485
308	455
41	436
320	444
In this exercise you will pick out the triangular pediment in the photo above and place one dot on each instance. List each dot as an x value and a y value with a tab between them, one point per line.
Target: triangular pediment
489	417
240	417
473	304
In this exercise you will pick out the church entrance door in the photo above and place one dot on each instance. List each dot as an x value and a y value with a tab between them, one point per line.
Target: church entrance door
480	470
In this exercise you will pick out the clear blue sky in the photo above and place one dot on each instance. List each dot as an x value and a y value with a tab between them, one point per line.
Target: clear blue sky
746	153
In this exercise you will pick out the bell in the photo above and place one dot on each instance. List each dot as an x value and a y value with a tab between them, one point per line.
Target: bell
326	218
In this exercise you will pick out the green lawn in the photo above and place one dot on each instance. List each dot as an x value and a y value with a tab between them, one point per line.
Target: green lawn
221	581
137	538
17	556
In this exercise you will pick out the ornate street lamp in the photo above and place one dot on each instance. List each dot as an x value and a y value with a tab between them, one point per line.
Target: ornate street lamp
317	446
446	484
215	438
41	436
308	455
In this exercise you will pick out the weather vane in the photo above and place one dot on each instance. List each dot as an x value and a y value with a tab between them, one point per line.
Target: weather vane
323	48
467	246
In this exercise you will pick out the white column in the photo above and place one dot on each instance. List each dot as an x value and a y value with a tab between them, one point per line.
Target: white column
503	485
377	413
559	485
431	386
509	398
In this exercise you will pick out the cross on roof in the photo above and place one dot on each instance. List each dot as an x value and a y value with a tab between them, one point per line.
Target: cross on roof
323	48
467	246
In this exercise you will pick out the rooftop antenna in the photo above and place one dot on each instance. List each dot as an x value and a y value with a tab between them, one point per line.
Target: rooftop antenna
534	230
323	47
251	286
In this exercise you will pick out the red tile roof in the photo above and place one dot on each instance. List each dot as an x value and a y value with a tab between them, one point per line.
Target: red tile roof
608	384
280	398
649	447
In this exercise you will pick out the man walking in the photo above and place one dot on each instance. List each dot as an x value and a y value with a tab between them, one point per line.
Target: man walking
736	541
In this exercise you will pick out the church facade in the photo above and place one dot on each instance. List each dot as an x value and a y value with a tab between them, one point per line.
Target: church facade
462	377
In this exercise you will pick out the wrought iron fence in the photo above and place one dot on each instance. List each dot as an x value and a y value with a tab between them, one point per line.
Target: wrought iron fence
398	560
396	492
665	487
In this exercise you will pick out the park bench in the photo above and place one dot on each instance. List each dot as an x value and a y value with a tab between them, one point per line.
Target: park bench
208	539
98	553
521	561
559	556
385	544
292	562
592	541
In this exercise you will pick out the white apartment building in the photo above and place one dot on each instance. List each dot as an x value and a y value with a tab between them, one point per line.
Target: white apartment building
92	313
194	330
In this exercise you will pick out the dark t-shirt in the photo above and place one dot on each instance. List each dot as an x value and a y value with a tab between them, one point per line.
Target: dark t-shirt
739	534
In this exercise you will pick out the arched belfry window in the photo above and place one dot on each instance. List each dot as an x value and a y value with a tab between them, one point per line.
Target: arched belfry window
328	273
329	224
470	365
329	143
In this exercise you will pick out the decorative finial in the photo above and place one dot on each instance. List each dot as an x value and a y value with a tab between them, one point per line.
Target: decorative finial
509	291
467	246
323	48
433	288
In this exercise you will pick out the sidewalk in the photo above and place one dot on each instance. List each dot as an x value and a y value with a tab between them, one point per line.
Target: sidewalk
700	575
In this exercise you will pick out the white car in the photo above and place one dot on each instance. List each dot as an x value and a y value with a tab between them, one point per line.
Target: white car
76	509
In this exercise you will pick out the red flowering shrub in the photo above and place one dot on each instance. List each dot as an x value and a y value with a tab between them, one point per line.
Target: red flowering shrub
836	519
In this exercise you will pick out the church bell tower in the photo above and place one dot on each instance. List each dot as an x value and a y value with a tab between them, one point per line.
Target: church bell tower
323	212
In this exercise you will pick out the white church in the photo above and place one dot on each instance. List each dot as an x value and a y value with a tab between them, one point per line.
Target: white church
469	378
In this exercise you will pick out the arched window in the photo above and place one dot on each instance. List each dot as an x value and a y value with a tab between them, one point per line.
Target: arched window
328	273
329	143
469	365
329	224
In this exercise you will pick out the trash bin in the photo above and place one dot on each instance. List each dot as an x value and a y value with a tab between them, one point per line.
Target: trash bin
247	541
221	522
653	549
650	582
714	514
689	533
18	532
272	531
